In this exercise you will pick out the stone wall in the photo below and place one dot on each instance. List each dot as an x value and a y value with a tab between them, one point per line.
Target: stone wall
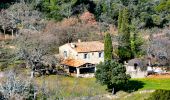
135	73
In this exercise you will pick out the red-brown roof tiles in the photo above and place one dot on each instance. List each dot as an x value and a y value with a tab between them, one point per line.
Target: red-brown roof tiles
88	46
73	62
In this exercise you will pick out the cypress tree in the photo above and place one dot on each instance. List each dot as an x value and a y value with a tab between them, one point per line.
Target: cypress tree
119	20
108	48
136	43
124	49
125	27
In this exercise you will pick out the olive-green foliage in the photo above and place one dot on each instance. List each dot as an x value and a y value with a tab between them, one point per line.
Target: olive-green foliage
112	74
160	95
164	5
6	3
125	24
124	53
55	9
108	48
152	13
143	10
124	49
136	43
120	20
59	9
7	58
130	40
125	31
136	39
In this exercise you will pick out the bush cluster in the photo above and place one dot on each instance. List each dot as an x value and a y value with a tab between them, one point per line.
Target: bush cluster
160	95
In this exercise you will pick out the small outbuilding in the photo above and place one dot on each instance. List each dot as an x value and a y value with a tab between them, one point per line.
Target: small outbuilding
137	68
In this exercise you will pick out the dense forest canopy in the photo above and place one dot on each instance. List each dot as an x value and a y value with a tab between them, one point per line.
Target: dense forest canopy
147	13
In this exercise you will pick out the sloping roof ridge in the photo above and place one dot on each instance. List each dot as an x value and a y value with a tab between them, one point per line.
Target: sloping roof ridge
86	46
82	42
86	42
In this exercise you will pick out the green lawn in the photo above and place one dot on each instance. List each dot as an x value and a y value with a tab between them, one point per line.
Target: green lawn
71	86
154	83
144	84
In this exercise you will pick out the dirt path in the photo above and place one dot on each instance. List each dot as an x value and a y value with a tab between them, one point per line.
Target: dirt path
167	75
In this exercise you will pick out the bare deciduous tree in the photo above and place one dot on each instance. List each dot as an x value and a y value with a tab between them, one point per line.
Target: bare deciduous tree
15	88
159	47
35	48
21	16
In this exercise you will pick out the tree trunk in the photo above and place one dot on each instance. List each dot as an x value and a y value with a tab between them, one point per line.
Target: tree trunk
4	33
32	74
113	91
16	33
35	95
12	34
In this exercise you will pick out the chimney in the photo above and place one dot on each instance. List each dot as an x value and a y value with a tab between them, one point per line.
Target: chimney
73	45
79	40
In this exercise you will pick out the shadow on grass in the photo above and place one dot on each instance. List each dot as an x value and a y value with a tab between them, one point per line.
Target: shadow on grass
131	86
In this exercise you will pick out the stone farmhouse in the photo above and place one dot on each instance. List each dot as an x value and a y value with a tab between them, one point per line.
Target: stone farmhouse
137	68
80	58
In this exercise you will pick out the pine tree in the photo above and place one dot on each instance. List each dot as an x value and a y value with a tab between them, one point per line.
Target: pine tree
108	48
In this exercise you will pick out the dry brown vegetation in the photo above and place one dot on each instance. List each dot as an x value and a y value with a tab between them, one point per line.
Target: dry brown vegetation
71	29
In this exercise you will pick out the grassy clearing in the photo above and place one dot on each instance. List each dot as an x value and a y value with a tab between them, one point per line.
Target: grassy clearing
138	95
154	83
71	86
144	84
75	87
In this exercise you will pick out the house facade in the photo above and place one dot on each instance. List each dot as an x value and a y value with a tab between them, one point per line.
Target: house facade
80	58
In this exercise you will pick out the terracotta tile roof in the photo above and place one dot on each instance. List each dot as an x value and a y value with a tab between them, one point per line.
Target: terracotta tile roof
73	62
88	46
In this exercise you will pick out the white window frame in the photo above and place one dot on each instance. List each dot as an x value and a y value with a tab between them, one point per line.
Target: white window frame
65	54
85	56
100	55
